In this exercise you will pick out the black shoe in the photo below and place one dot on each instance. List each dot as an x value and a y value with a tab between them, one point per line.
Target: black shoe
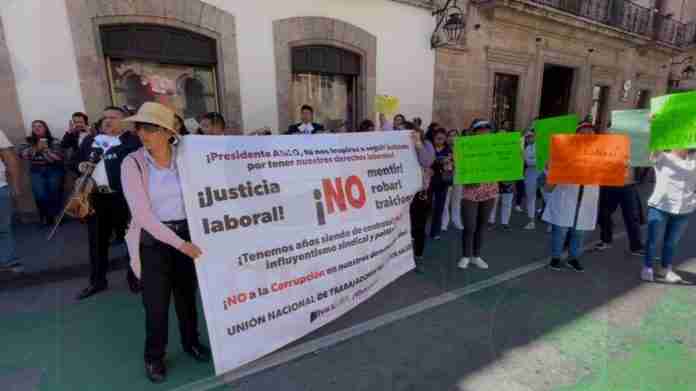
555	264
575	265
91	291
199	352
156	371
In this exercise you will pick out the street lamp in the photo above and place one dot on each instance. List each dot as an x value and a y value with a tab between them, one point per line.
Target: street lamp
450	23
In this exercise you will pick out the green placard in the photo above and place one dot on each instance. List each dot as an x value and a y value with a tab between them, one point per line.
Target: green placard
674	121
488	158
635	124
545	128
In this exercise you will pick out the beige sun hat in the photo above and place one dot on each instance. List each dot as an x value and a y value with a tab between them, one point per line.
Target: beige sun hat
156	114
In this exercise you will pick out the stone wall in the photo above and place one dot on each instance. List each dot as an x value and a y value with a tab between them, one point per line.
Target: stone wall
510	41
86	16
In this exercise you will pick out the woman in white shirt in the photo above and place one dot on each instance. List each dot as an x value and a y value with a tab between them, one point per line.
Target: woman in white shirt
571	209
671	203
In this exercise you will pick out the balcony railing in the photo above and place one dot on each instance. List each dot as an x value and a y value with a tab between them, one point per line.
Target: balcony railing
628	16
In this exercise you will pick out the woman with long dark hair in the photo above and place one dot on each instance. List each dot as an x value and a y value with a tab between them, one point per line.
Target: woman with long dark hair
442	179
46	169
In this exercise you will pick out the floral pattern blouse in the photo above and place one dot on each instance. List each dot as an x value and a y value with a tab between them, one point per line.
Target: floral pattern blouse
480	192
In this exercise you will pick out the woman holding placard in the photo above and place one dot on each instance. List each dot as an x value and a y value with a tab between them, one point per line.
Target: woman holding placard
477	204
572	209
671	203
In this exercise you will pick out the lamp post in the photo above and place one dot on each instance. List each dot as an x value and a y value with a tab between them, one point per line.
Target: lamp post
450	24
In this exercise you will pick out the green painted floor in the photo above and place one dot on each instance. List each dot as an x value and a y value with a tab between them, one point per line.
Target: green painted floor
657	355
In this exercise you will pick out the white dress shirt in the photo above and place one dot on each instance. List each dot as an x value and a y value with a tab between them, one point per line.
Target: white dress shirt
306	128
166	196
675	184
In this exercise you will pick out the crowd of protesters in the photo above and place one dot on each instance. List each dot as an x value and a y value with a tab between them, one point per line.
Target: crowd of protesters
138	182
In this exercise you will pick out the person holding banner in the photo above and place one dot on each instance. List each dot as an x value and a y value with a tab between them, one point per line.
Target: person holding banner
477	204
421	205
571	211
158	238
670	205
399	121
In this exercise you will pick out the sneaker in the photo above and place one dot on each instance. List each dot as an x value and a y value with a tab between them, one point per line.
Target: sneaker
437	237
672	277
638	253
518	209
531	226
647	275
14	267
576	266
480	263
506	228
463	263
555	264
601	246
459	227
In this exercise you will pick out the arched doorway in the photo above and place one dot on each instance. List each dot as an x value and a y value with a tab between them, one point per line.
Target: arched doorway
326	78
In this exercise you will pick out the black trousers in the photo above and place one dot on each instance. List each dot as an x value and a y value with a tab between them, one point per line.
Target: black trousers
627	197
166	272
474	218
419	211
110	217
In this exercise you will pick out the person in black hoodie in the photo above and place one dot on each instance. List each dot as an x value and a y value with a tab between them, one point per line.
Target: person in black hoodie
111	210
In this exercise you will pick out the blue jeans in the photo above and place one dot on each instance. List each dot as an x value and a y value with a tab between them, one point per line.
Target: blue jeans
7	240
47	187
558	237
675	225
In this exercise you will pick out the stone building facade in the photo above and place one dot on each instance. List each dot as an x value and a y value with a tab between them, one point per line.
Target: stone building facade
517	56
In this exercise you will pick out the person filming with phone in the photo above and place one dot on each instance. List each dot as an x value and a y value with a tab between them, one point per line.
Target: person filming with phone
46	169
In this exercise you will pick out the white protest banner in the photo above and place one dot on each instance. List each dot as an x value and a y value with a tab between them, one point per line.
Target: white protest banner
295	231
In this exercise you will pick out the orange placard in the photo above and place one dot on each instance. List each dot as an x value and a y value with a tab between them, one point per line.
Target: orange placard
589	159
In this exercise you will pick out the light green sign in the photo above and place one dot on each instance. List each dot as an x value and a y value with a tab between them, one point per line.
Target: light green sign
674	122
636	125
488	158
545	128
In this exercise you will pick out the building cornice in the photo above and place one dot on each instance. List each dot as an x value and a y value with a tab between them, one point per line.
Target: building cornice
425	4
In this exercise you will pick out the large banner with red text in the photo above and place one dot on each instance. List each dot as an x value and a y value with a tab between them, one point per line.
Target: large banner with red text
295	231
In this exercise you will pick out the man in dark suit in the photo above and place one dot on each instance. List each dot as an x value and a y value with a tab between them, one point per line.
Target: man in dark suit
307	126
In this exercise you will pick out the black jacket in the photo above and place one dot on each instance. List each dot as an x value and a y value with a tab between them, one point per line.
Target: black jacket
295	128
114	157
